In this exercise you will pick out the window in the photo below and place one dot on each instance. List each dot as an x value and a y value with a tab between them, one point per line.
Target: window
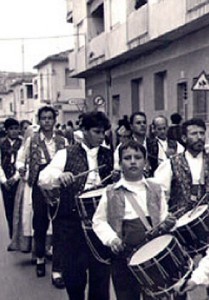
29	89
116	14
116	106
200	104
160	90
22	96
80	35
182	97
11	107
137	98
140	3
96	19
1	103
70	82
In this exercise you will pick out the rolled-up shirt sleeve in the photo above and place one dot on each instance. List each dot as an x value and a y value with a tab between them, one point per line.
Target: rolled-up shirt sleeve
163	176
100	224
163	207
201	274
49	175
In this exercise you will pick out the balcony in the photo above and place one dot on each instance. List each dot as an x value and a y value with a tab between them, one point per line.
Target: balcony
161	20
137	26
96	49
197	9
150	26
69	11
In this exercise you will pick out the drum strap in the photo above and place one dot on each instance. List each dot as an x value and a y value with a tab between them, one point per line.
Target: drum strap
138	209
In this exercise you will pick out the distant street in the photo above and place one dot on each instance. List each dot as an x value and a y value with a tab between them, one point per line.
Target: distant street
18	279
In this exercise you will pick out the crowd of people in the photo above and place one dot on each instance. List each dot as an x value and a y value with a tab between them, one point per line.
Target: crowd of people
93	196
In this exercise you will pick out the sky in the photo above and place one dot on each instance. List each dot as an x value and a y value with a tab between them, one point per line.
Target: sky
27	32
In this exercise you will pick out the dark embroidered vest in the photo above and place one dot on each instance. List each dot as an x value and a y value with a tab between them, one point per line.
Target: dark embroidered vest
7	151
77	163
35	155
153	150
181	185
116	205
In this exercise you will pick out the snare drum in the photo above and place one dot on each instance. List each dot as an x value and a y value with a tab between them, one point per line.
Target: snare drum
159	265
87	203
192	229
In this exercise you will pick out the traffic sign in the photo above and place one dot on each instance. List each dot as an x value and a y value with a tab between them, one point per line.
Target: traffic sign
201	83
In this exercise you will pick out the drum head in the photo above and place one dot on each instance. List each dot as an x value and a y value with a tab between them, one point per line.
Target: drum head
150	250
191	216
92	193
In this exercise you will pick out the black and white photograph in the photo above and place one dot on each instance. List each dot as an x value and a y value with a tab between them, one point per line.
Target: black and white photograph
104	150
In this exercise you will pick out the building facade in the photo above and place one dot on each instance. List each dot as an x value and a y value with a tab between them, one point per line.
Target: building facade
142	55
6	106
54	85
22	99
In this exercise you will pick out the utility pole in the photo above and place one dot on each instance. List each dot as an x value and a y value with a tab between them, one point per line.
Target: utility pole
23	57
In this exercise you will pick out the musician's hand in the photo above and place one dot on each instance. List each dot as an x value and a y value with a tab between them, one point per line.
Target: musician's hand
6	185
66	178
116	174
117	245
51	196
183	287
22	171
167	225
190	285
11	181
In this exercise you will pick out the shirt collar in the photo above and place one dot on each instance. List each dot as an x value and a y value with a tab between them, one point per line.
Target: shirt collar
190	156
125	184
88	150
42	136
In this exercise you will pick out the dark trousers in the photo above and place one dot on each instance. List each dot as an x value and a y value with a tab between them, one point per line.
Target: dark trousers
57	245
40	221
77	261
125	284
9	200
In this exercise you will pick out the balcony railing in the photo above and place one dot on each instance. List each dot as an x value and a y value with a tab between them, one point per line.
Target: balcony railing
196	4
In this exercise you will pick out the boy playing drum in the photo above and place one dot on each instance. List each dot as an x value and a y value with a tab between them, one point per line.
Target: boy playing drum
128	210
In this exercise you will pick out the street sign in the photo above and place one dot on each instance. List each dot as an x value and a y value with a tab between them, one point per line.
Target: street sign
99	100
201	83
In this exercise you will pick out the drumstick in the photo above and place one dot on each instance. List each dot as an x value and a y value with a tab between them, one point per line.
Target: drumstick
88	171
198	204
104	179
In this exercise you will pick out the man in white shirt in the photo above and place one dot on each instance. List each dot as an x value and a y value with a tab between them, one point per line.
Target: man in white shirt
185	176
166	147
80	167
41	148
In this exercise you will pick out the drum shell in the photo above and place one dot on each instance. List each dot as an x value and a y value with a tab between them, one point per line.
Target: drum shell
194	236
86	208
163	271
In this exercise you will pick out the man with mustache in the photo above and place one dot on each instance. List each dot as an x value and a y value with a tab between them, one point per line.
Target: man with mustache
185	175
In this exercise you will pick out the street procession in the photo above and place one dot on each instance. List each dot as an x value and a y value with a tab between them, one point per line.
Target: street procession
104	150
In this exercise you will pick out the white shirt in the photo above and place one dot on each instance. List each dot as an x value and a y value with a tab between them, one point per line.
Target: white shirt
163	174
93	178
201	274
163	147
100	224
51	173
